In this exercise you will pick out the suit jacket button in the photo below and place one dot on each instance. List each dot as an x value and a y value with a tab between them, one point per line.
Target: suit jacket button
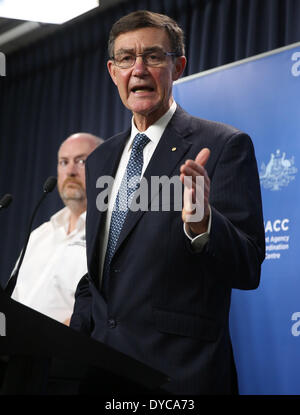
112	323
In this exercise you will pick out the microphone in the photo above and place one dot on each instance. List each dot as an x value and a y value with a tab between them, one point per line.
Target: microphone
49	185
5	201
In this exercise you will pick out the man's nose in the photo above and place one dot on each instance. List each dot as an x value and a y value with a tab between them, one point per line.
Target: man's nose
139	66
72	169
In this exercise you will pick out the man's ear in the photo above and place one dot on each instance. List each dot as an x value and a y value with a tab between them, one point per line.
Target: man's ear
179	66
112	71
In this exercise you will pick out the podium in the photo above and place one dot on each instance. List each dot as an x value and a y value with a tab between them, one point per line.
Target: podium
39	356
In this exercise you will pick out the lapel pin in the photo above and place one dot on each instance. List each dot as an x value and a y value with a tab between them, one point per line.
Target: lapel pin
174	148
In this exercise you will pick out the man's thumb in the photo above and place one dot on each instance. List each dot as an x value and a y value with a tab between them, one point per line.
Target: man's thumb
203	156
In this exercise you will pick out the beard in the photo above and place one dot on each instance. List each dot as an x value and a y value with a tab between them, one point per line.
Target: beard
72	190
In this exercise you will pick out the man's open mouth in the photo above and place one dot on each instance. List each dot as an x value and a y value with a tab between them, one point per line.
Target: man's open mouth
142	89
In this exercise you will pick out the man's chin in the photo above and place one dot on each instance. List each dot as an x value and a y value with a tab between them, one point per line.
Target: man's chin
74	196
73	199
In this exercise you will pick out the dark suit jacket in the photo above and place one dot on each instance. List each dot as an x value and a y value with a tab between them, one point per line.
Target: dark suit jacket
167	305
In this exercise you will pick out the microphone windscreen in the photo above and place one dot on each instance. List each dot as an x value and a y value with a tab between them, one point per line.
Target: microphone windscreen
50	184
5	201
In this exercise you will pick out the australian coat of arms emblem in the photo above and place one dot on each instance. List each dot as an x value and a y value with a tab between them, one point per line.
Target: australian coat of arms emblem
278	172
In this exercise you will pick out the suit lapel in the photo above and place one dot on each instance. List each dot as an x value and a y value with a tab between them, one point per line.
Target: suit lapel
168	154
97	167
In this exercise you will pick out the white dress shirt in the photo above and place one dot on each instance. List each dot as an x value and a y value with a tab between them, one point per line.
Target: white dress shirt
154	133
52	267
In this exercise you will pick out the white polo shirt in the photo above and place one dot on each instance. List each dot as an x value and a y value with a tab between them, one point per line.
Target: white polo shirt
52	267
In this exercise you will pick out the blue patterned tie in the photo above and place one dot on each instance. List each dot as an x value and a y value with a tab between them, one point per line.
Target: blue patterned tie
130	183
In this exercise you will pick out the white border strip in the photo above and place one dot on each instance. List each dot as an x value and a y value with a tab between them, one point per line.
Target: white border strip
240	62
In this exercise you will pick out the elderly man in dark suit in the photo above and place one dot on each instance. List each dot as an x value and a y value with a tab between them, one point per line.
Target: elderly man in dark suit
159	281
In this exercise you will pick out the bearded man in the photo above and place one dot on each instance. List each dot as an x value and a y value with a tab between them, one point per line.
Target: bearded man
55	259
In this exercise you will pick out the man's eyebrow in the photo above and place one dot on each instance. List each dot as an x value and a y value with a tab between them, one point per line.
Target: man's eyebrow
68	157
123	50
147	49
153	49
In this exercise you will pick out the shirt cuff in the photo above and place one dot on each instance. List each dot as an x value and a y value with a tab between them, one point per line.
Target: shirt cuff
198	242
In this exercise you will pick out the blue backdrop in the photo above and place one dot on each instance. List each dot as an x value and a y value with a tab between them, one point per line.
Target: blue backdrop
261	96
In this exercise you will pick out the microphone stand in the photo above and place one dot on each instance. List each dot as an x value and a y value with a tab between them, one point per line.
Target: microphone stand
48	187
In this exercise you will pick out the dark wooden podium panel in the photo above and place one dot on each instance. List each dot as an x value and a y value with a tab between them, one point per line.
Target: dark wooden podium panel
38	355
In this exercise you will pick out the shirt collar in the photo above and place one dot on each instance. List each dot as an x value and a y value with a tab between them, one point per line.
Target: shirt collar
156	130
62	217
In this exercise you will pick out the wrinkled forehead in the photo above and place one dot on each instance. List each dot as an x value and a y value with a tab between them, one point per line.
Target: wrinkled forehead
141	40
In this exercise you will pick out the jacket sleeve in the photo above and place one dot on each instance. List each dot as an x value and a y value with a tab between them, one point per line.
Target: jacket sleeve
81	317
237	240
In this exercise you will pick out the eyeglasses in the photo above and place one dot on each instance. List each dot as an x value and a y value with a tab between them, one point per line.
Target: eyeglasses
78	162
127	60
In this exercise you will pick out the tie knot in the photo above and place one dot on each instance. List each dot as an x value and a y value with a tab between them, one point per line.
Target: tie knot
140	141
